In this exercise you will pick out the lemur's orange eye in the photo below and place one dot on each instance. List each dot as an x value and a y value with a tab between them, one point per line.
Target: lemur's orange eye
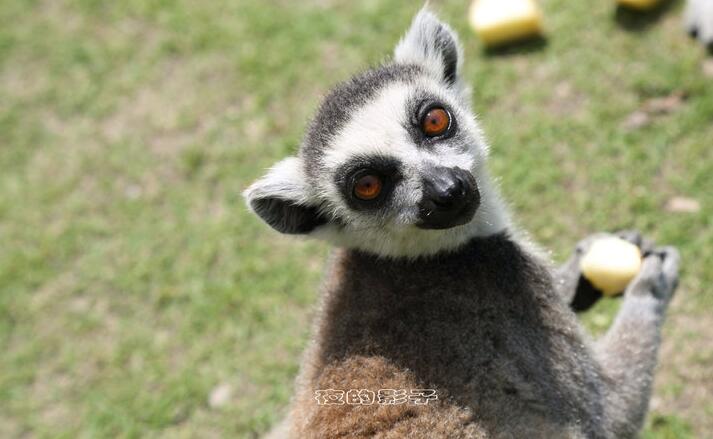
435	122
367	187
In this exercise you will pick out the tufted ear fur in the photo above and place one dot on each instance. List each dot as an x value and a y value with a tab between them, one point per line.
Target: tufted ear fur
281	199
433	45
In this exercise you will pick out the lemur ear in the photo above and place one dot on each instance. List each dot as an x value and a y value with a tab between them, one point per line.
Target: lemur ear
431	44
281	199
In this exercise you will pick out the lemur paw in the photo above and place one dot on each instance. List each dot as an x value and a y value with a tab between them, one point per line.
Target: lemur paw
632	236
699	21
658	276
585	294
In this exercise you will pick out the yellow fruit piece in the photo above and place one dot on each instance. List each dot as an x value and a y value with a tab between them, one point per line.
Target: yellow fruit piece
502	21
610	264
642	5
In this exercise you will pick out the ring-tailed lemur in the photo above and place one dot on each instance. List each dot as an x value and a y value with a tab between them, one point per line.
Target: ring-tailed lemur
431	288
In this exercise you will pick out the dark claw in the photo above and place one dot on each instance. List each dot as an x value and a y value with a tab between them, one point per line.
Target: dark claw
671	261
634	237
658	276
585	297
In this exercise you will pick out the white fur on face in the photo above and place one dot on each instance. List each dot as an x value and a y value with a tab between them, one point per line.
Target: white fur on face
379	129
491	218
285	180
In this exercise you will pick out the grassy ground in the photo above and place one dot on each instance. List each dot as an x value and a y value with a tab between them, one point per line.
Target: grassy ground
138	298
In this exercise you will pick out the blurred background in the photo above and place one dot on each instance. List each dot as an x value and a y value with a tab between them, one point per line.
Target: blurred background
139	298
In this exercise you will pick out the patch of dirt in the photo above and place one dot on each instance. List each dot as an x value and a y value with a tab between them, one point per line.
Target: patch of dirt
181	105
653	108
156	110
25	80
566	100
220	395
9	427
708	68
683	205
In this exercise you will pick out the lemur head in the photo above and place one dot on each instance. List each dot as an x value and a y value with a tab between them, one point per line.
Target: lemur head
393	162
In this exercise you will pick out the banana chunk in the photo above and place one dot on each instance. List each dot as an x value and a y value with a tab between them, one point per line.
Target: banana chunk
610	264
498	22
641	5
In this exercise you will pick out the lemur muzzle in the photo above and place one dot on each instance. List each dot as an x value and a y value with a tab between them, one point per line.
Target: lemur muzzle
450	198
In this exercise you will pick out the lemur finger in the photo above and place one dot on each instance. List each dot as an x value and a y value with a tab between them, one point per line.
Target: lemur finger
649	276
671	263
633	236
647	246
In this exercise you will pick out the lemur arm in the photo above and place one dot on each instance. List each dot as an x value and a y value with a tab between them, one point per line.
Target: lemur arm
577	291
627	352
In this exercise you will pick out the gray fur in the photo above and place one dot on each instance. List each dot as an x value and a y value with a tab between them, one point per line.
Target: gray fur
487	329
341	102
432	44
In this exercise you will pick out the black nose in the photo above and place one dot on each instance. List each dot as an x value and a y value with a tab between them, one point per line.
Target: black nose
447	191
450	198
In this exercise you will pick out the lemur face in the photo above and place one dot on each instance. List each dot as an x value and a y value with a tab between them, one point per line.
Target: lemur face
402	155
393	162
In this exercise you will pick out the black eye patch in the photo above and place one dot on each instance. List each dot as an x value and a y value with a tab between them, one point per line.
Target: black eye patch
418	108
385	169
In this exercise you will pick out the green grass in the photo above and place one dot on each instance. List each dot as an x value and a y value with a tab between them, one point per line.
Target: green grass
132	279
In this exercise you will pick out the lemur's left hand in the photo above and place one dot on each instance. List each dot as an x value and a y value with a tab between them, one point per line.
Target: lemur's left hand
699	20
579	292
